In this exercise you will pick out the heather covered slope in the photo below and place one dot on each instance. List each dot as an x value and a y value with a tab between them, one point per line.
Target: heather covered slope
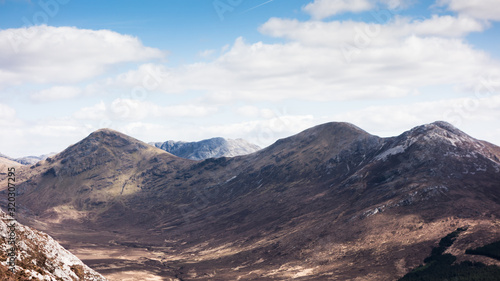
6	162
332	202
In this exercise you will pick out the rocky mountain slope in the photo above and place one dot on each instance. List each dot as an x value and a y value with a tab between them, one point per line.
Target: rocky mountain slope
210	148
39	257
330	203
105	167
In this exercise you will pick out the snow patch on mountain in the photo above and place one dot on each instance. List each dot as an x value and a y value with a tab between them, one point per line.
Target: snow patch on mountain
391	151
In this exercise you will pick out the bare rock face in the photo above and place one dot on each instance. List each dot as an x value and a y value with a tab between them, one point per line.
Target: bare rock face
39	257
210	148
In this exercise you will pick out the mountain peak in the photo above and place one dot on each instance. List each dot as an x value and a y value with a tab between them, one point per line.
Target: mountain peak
210	148
101	147
111	138
440	126
440	137
336	133
339	127
440	132
322	143
106	132
444	125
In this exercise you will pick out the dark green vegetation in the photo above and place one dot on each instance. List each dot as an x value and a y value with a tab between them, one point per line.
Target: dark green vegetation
491	250
465	271
439	266
444	243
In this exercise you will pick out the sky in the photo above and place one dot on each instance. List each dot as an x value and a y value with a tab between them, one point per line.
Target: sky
253	69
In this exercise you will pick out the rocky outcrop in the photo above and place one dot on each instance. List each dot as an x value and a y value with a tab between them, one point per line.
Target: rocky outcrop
38	256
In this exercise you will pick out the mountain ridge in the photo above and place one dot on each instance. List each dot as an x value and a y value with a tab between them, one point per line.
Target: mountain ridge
26	160
329	187
209	148
106	164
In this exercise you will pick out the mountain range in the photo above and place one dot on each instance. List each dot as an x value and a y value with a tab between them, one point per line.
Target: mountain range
27	160
199	150
330	203
209	148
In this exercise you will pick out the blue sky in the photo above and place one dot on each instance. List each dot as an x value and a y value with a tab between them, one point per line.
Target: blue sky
259	70
181	27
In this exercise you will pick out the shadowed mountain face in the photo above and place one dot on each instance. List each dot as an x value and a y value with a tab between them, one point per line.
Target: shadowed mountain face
330	203
210	148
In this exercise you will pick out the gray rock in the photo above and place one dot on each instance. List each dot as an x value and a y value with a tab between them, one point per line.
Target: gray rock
39	257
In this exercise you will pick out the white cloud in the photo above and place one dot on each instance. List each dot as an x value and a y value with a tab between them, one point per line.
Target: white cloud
42	136
128	109
325	61
397	4
146	78
320	9
95	112
187	110
8	117
468	113
56	93
445	26
256	112
207	53
261	132
6	112
45	54
480	9
248	111
134	110
339	33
